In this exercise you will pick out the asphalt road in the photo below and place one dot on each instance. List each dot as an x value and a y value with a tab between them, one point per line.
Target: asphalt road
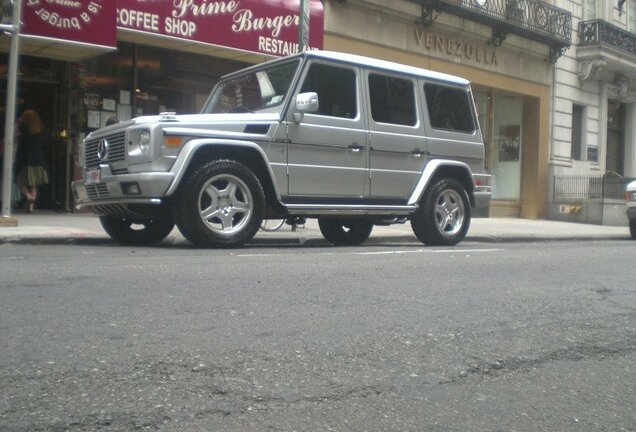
388	337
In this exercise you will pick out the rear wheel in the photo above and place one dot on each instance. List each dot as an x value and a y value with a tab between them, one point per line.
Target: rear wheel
137	231
632	228
345	232
443	218
220	205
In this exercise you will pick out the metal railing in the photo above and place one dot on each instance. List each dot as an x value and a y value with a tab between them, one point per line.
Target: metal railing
589	187
601	32
536	16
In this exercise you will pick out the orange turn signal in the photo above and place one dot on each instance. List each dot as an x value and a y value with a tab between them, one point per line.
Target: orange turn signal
173	141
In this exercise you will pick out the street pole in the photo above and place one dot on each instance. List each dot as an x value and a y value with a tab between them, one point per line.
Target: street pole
303	26
9	121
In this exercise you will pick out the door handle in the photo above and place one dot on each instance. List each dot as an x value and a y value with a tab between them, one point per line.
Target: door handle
419	153
355	147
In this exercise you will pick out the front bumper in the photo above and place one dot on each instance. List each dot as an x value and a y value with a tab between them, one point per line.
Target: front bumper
122	189
631	212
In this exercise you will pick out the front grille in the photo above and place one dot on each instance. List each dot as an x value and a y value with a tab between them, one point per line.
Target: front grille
116	149
97	191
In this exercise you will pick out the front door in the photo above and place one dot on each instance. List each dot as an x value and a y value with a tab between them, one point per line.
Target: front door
327	150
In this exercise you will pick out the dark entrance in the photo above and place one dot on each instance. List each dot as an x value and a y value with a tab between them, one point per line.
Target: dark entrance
614	160
41	87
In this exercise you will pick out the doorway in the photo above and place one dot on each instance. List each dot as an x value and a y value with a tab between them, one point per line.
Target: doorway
615	155
41	88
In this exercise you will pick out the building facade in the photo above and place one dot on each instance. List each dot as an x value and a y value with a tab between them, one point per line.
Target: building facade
506	48
148	57
593	153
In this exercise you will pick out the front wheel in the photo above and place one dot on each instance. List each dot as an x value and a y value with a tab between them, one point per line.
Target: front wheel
443	218
345	232
220	204
137	232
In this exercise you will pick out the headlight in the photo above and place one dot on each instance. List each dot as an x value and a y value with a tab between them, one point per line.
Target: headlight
144	141
139	142
630	196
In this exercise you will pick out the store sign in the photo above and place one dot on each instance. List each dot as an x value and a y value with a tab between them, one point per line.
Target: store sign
85	21
263	26
455	48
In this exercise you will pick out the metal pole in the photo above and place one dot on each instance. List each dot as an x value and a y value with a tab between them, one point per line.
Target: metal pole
9	121
303	26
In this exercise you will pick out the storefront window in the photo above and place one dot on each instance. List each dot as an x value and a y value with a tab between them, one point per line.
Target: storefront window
507	145
106	82
482	101
141	80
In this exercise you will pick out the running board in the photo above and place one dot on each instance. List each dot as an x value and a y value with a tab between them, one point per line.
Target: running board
340	209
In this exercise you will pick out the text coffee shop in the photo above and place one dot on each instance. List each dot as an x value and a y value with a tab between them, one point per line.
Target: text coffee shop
84	62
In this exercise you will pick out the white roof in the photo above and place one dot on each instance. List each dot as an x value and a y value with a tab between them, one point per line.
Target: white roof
386	65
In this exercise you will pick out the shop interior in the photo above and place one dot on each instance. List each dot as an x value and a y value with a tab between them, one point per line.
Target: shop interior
74	99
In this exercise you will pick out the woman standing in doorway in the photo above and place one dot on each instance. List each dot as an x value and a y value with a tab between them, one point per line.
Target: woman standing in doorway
30	159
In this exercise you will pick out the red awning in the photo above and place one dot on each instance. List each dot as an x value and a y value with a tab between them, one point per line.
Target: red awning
70	30
267	27
73	30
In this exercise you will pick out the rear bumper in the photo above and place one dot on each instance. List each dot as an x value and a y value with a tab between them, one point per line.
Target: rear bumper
482	203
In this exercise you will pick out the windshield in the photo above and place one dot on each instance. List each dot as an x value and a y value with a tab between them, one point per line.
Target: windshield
253	91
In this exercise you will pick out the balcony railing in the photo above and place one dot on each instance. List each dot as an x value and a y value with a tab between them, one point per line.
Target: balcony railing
601	32
533	19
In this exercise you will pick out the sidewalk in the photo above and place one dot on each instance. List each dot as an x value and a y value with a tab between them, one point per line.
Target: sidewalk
47	227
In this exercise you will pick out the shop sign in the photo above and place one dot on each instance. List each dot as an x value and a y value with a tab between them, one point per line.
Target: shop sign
88	22
263	26
455	48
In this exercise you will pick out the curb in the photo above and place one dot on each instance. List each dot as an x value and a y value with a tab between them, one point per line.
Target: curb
290	239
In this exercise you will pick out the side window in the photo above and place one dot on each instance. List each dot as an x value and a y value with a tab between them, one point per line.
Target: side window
336	88
392	100
449	108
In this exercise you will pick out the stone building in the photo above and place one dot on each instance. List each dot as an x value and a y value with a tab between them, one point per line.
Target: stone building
594	136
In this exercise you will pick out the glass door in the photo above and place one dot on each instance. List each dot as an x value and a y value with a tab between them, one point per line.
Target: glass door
506	148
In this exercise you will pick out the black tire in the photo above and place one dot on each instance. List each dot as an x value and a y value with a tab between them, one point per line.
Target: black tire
444	215
137	232
345	232
220	204
632	228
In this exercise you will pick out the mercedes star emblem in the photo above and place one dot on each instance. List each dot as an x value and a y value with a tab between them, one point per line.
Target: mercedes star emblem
102	149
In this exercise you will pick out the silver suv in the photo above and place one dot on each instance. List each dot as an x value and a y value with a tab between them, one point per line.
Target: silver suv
349	140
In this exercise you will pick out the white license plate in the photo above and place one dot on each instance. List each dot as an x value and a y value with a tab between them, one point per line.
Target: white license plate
93	176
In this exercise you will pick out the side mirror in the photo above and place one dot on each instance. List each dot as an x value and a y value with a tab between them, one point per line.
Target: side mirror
305	103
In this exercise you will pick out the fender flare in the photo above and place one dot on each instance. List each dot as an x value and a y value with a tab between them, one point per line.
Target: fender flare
429	173
191	147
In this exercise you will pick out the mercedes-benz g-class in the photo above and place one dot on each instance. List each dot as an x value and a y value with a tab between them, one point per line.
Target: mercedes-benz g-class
349	140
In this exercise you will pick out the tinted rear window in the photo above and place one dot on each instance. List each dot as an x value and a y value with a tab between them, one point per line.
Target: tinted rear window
449	108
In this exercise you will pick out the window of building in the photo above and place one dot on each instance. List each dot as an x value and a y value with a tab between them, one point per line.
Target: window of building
449	108
589	10
578	132
392	100
336	89
631	16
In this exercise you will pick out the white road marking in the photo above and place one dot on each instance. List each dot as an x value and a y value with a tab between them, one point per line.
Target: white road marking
389	252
